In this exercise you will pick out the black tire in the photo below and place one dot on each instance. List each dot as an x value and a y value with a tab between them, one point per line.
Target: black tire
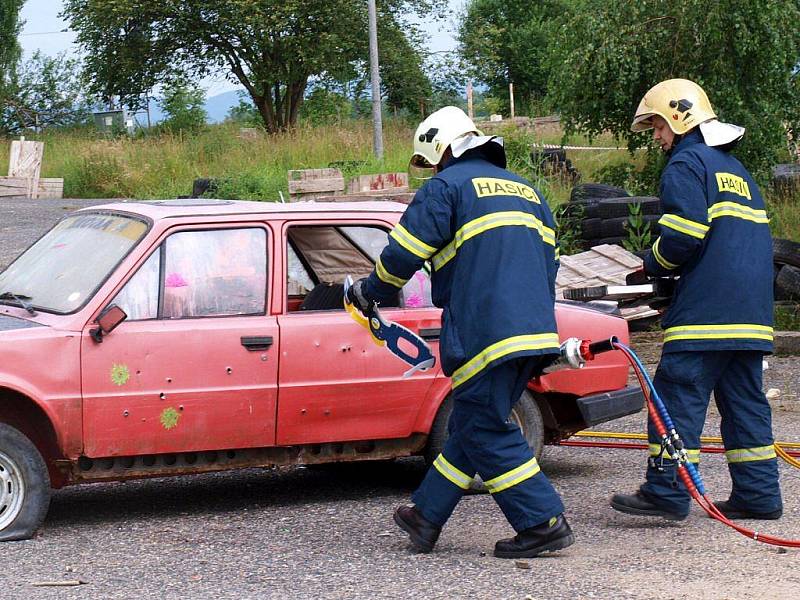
585	191
25	493
582	209
591	229
785	252
614	241
525	413
618	226
787	283
620	207
786	178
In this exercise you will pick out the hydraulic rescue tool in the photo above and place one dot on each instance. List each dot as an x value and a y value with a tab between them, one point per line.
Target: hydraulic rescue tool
388	334
672	445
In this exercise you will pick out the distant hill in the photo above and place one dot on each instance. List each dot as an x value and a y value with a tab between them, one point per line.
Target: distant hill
217	108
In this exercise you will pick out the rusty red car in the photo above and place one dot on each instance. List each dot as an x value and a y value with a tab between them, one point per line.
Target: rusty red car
143	339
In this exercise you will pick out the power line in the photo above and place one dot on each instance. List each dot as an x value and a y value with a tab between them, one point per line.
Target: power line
45	32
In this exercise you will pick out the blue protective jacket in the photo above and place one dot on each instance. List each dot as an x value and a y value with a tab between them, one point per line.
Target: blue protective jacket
490	239
714	235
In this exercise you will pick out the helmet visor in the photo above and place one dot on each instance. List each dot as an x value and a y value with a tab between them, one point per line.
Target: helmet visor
419	171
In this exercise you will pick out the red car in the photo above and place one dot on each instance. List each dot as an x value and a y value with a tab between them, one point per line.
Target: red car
231	349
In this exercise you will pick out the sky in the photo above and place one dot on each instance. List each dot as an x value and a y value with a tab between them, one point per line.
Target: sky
45	31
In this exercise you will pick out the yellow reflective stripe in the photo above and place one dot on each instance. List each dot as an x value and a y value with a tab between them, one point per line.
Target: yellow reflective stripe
692	453
492	186
660	259
741	455
558	253
452	474
500	349
387	277
513	477
718	332
691	228
734	209
492	221
411	243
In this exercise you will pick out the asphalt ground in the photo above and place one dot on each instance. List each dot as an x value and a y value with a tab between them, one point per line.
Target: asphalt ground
328	533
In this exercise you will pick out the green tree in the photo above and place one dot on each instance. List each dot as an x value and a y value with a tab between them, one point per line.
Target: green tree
272	47
49	93
9	47
744	54
507	41
183	104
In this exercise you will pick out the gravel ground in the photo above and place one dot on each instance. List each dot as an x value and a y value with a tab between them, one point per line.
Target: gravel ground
310	533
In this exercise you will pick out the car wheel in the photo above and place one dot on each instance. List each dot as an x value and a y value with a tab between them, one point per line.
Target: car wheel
24	486
525	414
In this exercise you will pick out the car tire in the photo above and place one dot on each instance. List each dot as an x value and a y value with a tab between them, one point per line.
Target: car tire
591	229
613	241
786	252
525	413
25	493
585	191
787	283
618	226
620	207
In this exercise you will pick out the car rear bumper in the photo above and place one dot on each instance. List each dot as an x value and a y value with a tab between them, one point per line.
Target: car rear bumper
599	408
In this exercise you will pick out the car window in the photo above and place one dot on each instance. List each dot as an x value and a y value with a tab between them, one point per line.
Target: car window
327	254
139	297
67	265
201	273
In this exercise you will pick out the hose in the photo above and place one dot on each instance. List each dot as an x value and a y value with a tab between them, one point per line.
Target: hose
674	448
788	455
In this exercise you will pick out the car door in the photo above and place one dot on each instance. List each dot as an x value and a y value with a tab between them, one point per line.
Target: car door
336	384
195	364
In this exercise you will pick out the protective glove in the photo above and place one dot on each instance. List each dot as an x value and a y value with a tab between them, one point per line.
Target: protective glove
356	296
637	277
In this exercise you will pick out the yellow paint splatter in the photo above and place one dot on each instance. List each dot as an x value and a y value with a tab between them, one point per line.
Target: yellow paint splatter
170	418
120	374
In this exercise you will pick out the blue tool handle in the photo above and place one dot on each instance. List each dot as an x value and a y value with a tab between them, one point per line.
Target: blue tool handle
423	353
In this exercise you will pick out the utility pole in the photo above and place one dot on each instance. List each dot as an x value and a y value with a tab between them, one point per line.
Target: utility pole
511	97
377	125
469	100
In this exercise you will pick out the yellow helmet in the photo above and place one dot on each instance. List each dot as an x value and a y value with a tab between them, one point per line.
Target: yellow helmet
680	102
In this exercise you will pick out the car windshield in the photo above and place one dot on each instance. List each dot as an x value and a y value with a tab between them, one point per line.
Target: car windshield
62	270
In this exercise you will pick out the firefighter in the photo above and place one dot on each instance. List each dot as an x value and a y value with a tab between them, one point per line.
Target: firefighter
715	237
489	237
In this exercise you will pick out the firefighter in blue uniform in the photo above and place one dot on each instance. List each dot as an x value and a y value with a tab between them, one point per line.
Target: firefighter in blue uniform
715	237
490	239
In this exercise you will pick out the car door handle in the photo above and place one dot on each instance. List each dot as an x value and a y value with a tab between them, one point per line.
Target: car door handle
430	333
257	342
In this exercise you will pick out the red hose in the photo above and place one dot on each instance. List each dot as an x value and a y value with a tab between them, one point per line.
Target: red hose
703	500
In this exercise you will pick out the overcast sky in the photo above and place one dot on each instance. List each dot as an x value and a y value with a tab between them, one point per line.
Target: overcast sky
44	30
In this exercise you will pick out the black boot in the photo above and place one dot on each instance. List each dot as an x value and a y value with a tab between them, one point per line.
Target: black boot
735	513
549	536
422	532
640	505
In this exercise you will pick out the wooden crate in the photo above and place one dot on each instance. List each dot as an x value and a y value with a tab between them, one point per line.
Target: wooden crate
15	186
307	184
375	184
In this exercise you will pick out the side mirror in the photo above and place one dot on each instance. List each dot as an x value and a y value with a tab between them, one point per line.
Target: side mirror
111	316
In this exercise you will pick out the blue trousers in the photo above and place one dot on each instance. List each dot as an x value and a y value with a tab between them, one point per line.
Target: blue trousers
685	380
482	440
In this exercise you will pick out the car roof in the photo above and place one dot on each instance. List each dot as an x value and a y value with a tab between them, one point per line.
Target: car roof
192	207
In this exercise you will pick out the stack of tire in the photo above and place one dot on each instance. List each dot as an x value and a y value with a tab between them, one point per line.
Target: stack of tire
786	256
602	213
554	161
786	179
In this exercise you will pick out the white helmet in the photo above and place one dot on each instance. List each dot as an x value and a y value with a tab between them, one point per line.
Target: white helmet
438	131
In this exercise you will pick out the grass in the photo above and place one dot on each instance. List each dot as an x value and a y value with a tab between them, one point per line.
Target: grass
164	165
